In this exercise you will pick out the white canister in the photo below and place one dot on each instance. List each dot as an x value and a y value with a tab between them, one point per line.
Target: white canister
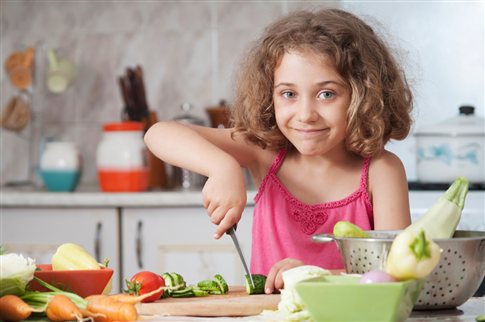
121	158
60	166
452	148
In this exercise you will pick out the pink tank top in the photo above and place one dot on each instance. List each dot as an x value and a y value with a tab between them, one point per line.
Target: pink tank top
283	225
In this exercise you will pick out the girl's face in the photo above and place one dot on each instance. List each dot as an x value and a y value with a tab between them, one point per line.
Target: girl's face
311	101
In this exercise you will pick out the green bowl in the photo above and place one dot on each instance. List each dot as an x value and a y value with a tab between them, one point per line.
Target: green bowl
343	298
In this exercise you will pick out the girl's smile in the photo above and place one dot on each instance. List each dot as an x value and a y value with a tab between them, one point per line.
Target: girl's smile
311	102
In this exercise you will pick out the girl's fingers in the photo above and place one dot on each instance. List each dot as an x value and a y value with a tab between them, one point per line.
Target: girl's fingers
231	217
270	279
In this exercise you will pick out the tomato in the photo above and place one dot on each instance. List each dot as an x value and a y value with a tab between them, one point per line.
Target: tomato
146	282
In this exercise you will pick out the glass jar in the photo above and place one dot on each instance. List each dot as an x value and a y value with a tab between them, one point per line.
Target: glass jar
121	158
60	166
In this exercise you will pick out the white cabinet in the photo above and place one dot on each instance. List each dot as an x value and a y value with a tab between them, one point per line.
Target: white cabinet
473	215
37	232
179	239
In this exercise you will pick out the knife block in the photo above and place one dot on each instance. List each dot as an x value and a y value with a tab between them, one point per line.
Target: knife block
157	175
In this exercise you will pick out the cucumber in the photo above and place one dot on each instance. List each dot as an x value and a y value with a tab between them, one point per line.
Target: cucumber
185	292
223	287
179	282
259	282
198	292
480	318
209	286
169	282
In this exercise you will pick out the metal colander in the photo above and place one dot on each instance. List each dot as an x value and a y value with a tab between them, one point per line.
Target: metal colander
455	279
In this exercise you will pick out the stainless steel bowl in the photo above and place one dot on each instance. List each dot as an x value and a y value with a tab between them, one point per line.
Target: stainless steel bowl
455	279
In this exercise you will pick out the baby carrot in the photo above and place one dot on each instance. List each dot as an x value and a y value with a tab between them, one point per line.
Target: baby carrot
109	309
13	308
61	308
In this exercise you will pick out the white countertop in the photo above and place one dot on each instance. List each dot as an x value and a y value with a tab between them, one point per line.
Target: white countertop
90	196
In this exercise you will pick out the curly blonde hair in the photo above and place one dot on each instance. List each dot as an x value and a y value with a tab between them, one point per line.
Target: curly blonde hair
381	100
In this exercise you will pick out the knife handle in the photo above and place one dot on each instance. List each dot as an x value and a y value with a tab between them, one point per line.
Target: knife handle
232	228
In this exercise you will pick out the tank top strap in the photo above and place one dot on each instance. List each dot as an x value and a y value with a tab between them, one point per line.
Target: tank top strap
277	161
272	170
364	178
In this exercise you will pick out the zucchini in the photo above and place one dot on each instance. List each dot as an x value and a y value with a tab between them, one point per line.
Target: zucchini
441	219
223	287
259	282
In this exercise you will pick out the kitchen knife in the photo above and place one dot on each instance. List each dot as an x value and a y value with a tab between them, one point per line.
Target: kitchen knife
232	232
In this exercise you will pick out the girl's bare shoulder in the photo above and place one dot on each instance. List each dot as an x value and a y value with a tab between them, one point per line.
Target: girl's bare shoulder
386	167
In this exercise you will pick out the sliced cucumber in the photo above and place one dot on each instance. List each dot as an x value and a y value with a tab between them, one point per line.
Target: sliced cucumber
178	280
259	282
480	318
209	286
223	287
169	282
185	292
198	292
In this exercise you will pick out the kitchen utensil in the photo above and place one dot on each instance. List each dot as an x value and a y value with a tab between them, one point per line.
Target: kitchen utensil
17	113
344	298
60	166
232	232
81	282
234	303
455	279
60	73
452	148
183	178
19	67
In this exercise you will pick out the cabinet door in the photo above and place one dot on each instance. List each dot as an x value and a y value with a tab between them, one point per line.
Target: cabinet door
37	232
180	240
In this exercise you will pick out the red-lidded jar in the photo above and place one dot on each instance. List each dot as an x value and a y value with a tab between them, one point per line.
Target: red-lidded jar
121	158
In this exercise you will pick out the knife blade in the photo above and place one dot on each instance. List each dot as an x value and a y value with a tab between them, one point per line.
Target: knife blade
232	232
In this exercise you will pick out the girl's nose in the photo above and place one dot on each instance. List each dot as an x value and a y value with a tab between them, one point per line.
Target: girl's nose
307	111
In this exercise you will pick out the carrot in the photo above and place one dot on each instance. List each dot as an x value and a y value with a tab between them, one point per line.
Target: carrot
128	298
112	309
13	308
61	308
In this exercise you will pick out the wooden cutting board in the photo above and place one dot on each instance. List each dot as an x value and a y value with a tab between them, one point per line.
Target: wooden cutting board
235	303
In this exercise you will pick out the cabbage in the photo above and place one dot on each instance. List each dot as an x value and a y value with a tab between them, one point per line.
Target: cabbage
15	272
290	307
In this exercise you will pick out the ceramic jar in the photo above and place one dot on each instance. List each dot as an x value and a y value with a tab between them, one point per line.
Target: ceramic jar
60	166
121	158
452	148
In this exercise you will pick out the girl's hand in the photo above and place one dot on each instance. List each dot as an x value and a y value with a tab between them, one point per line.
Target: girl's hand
275	276
224	196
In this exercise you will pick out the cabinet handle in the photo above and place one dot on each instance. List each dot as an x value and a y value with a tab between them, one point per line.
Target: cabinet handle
139	244
97	242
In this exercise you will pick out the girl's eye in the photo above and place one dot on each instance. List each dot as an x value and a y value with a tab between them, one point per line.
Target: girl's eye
325	95
288	94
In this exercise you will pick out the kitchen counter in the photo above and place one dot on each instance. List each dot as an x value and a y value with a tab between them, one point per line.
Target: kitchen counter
467	312
90	196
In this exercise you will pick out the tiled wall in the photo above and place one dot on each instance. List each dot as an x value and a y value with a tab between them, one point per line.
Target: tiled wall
189	51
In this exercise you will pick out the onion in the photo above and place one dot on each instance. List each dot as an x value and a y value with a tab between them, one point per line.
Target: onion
376	276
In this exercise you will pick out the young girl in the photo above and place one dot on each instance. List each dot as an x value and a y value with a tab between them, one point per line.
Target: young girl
318	98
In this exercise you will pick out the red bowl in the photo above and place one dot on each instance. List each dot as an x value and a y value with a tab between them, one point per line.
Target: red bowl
81	282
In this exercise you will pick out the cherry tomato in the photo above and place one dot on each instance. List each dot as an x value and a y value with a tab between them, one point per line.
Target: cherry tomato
145	282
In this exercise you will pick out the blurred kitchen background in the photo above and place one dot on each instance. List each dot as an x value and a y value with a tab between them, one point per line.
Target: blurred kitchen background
189	52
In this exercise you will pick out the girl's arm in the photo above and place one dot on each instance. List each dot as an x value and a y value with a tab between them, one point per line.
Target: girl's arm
212	153
389	190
